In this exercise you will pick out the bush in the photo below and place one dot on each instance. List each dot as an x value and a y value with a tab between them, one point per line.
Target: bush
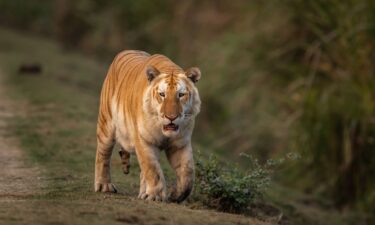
229	189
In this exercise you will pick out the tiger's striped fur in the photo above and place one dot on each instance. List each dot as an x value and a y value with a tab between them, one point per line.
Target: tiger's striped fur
148	104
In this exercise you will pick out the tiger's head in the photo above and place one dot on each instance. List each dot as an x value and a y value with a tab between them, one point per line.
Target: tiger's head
173	98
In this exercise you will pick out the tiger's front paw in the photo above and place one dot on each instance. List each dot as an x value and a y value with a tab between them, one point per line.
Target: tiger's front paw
157	193
105	187
179	194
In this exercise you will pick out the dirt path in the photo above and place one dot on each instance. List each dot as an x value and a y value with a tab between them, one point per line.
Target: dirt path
18	178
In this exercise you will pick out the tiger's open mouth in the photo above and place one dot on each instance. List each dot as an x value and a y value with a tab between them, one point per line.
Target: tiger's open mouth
170	127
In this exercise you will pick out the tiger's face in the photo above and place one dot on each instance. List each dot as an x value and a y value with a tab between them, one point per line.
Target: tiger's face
174	98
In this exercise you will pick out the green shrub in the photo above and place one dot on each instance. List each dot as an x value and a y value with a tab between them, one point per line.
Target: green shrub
227	188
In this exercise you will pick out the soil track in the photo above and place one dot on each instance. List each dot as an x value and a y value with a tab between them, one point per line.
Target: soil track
18	178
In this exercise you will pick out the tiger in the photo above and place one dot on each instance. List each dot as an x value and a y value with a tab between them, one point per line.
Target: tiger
148	104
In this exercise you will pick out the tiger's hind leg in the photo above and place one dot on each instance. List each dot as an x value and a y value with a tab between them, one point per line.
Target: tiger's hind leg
125	160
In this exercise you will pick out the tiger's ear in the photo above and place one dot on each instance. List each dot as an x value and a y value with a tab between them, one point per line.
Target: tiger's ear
151	72
194	74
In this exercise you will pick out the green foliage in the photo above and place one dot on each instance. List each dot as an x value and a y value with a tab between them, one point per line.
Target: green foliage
34	15
332	96
226	187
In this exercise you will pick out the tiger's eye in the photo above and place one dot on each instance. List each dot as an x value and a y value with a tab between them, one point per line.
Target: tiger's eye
162	94
181	95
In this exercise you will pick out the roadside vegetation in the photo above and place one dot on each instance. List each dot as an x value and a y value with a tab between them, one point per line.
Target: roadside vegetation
227	188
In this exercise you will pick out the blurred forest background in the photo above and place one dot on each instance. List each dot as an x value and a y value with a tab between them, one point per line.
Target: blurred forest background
279	77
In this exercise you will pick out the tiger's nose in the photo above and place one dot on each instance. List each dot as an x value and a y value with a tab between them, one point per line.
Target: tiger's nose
171	117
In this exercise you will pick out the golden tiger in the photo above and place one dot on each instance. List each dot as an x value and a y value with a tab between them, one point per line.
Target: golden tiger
148	104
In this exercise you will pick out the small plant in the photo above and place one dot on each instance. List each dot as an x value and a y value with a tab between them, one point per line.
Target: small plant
227	188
